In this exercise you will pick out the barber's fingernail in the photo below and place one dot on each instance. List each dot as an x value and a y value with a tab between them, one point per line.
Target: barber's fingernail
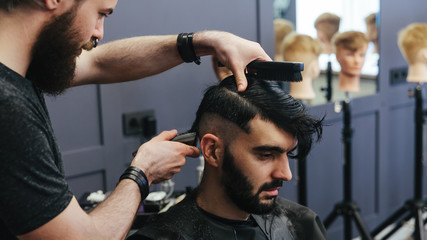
240	86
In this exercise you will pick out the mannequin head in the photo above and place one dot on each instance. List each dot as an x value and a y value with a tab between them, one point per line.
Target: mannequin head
305	49
350	48
327	24
412	42
282	28
372	29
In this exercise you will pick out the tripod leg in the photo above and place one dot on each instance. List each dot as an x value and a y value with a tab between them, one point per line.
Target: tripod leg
390	220
348	235
330	218
397	227
302	183
361	227
419	227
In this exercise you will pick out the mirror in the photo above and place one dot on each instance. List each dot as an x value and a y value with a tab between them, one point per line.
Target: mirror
353	17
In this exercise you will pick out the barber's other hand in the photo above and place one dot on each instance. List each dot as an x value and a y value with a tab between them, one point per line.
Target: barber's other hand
232	51
160	158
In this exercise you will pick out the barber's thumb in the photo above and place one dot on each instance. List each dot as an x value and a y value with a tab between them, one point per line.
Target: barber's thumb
166	135
241	81
192	152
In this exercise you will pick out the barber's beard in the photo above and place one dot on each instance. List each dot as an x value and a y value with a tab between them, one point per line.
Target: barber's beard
240	190
54	54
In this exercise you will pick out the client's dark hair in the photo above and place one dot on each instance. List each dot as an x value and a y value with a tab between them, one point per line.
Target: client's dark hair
266	100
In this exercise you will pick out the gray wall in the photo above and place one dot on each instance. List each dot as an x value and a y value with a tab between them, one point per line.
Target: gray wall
87	120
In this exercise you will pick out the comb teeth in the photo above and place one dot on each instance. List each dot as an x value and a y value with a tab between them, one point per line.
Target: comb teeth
276	71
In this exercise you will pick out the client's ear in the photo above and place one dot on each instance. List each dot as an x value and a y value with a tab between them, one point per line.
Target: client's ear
212	149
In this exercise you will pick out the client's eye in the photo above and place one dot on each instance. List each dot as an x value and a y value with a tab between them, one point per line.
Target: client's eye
266	156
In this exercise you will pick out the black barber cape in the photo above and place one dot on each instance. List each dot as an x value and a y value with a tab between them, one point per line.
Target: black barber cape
187	221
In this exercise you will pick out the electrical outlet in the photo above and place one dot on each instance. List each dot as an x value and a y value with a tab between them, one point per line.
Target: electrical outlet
143	123
398	75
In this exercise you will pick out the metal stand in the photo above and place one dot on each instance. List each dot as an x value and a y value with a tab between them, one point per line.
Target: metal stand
328	88
413	208
302	178
347	208
302	181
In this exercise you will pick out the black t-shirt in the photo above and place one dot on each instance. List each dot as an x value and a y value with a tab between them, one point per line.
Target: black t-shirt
33	189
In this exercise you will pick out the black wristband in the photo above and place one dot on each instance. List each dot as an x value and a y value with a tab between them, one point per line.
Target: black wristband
184	43
138	176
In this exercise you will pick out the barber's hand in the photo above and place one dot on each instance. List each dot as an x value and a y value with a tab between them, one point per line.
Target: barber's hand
232	51
160	158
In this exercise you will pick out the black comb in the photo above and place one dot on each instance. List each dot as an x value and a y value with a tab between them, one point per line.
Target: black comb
276	70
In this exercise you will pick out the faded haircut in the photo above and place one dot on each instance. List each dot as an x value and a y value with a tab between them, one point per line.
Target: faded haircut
264	99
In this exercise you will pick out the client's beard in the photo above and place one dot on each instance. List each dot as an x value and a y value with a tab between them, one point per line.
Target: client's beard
239	189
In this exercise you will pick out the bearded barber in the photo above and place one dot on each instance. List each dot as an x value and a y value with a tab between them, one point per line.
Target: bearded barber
44	49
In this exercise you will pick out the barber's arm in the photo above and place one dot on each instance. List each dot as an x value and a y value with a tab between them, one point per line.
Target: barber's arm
139	57
159	159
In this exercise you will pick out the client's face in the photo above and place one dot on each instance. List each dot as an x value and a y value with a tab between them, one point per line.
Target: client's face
351	61
255	165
